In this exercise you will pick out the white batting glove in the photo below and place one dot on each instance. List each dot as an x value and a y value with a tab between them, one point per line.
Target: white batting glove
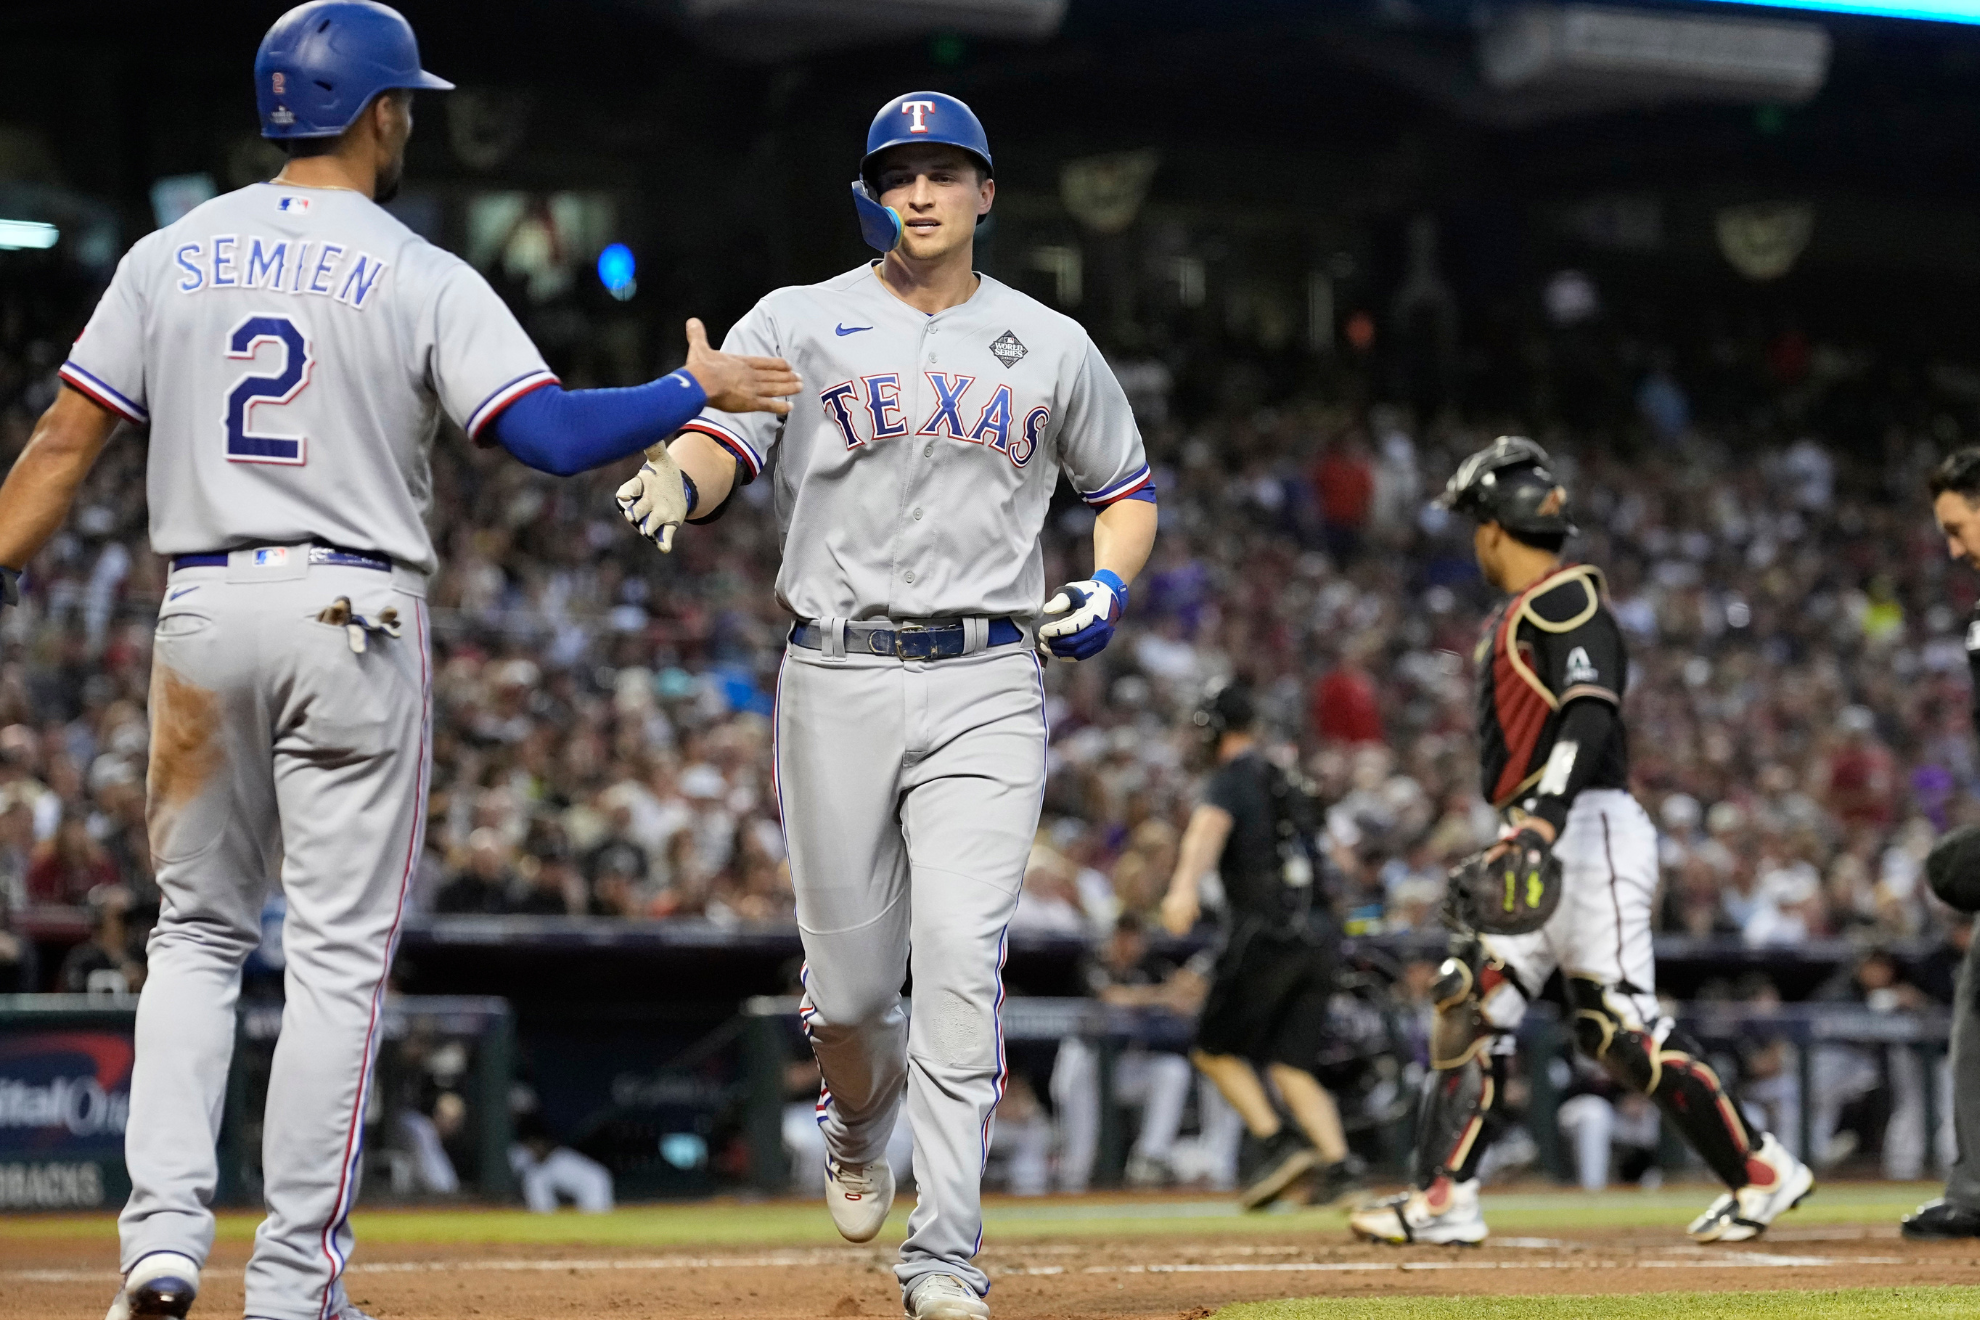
655	500
1090	609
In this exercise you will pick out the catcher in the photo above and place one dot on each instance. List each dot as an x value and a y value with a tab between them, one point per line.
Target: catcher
1569	886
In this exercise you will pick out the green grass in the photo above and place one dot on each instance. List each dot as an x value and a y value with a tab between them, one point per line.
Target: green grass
1856	1303
773	1224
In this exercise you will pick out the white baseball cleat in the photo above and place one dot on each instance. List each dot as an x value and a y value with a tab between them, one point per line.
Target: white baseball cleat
1779	1183
859	1196
162	1284
944	1297
1445	1214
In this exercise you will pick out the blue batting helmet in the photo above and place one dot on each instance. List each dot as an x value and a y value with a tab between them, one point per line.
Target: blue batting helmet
322	62
903	121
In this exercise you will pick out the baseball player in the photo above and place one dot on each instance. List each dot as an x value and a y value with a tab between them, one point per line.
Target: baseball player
1555	762
910	727
1954	872
291	348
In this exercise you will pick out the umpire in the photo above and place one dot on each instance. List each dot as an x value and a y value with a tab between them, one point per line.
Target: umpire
1953	870
1268	996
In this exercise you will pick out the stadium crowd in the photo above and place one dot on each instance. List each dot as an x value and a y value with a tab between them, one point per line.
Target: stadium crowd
602	744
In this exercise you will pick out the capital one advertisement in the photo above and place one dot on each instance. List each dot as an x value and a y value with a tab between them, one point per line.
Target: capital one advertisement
65	1097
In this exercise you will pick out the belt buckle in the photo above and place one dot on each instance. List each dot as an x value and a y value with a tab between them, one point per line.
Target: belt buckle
908	638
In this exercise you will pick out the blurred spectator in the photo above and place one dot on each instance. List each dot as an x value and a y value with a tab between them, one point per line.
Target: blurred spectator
67	867
1050	901
1346	706
106	963
555	886
486	883
1861	773
1344	485
18	964
16	846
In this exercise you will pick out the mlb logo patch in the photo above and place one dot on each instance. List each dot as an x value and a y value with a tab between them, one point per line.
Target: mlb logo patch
295	205
271	556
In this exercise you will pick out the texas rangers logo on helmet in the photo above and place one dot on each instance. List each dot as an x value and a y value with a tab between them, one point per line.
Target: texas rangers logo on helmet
920	110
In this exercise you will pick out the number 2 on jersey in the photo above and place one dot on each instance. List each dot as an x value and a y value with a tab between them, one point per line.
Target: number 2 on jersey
291	379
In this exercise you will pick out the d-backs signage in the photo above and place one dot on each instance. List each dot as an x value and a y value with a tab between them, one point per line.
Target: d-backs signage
65	1097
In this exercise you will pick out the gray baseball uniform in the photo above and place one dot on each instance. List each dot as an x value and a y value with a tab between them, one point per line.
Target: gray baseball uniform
292	350
913	488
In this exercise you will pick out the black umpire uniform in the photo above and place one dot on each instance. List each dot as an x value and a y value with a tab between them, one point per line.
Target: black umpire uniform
1268	996
1953	871
1276	970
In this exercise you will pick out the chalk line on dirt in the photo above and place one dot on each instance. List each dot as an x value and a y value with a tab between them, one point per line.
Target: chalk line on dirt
1749	1260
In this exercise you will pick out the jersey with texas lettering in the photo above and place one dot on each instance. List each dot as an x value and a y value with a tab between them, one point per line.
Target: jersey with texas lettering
291	350
1550	645
913	476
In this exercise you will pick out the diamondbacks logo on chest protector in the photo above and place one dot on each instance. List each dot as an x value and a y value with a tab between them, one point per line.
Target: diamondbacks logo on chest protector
1579	668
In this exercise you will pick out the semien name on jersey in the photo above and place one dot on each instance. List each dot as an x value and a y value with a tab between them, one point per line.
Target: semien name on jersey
279	265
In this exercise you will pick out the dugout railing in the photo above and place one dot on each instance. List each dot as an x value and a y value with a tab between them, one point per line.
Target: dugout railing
769	1021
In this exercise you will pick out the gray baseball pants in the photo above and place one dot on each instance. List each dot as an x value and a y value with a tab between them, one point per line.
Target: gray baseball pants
276	750
910	793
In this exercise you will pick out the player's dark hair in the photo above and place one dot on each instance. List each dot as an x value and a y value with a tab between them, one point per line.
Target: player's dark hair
1551	542
1958	471
302	148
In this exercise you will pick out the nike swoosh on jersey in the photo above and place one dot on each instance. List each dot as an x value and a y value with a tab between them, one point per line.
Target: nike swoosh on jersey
180	592
843	330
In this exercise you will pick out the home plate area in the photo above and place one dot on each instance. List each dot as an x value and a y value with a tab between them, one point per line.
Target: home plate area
1095	1258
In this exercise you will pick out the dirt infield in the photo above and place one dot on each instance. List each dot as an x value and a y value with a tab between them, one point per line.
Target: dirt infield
49	1270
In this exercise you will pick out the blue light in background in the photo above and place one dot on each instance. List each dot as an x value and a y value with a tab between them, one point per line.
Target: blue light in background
615	271
1942	11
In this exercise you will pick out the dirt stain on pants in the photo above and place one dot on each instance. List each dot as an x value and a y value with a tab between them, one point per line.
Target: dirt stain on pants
185	751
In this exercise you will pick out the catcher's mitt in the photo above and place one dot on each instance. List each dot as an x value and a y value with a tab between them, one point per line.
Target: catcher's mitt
1514	893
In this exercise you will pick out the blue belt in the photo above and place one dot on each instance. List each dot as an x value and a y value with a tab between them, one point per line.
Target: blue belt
941	641
318	554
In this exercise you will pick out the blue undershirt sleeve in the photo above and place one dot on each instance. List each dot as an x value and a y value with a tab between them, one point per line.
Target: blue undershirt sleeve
564	432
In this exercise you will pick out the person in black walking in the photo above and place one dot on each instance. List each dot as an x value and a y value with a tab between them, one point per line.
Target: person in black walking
1267	1005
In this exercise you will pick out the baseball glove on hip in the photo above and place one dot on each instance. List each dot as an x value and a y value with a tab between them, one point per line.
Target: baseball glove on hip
1513	893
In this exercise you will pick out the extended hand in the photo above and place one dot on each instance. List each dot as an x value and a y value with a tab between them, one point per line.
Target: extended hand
734	383
1180	909
655	500
1091	609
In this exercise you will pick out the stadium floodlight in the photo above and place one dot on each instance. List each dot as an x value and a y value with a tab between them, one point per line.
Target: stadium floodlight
1941	11
1654	54
1005	18
18	234
768	31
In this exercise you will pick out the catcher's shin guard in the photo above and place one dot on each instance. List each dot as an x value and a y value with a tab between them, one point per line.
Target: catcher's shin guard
1671	1070
1466	1076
